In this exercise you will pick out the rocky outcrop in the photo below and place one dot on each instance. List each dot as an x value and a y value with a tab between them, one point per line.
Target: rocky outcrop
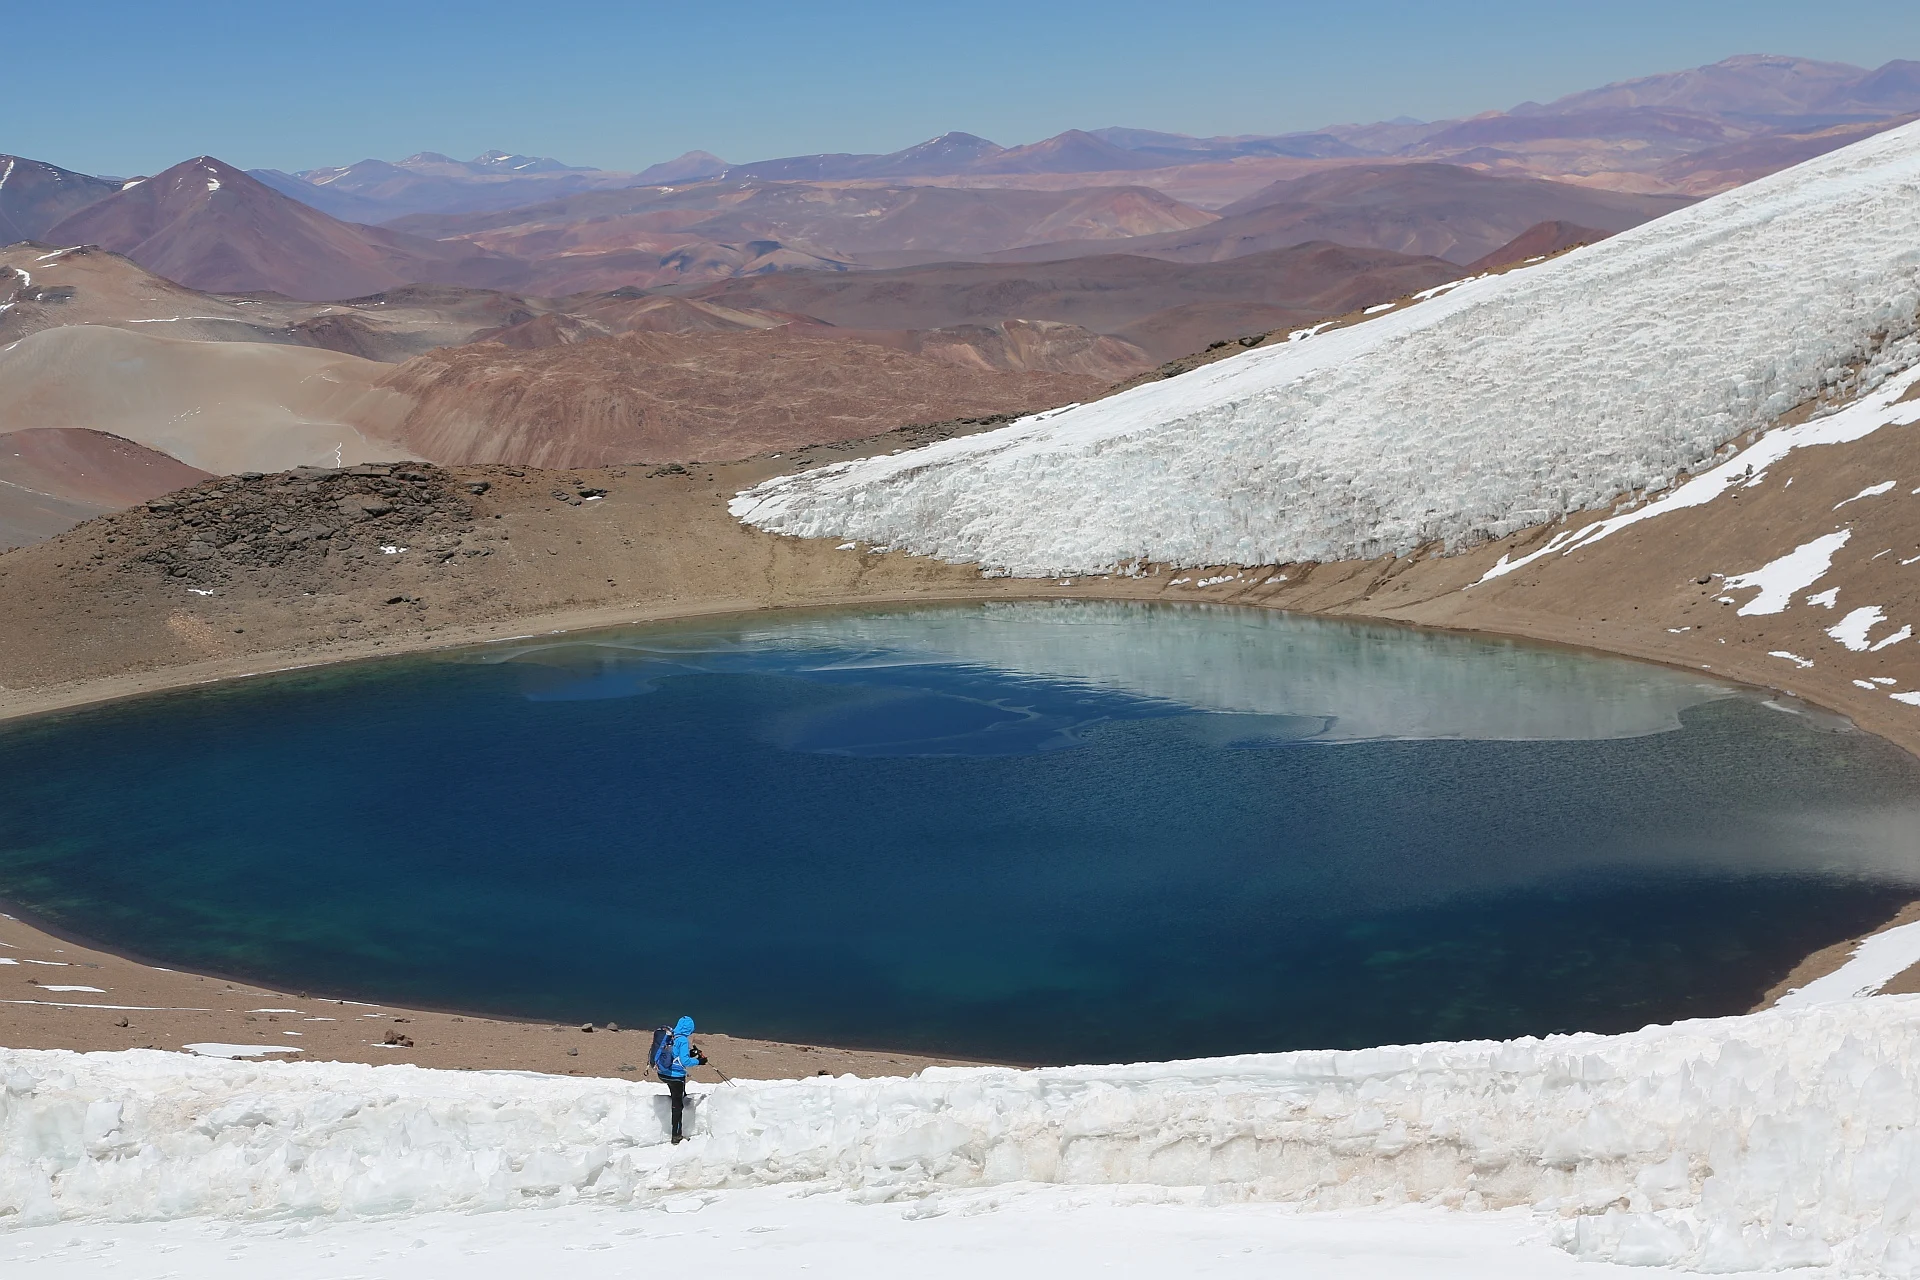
300	518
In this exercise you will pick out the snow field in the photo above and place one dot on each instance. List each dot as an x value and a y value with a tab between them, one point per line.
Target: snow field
1885	406
1781	582
1876	961
1782	1138
1500	404
1043	1233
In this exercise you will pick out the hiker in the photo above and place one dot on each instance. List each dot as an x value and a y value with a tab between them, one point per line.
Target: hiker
673	1054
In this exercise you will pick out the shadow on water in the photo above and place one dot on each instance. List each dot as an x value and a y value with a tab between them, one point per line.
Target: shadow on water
1043	832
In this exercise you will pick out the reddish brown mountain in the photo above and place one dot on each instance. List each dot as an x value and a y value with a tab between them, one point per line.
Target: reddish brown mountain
34	195
1438	210
40	290
1720	168
1194	326
1894	87
1638	134
53	478
1679	130
1075	151
207	225
1537	241
1109	293
869	224
661	397
378	191
688	166
1749	84
631	311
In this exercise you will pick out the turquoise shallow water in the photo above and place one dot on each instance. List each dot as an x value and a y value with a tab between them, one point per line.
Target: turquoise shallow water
1042	832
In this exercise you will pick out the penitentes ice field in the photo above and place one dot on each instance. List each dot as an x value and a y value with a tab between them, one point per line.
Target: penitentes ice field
1502	403
1789	1138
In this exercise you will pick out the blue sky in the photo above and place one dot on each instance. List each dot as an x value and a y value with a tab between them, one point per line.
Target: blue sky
122	87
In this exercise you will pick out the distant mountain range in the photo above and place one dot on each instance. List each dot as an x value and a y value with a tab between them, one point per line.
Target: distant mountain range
209	226
1764	89
1627	135
428	182
1601	161
1438	210
1051	268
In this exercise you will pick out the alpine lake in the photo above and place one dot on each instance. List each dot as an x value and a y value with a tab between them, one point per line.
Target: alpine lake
1041	832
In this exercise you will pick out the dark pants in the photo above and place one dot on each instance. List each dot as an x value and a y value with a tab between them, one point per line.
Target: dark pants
677	1089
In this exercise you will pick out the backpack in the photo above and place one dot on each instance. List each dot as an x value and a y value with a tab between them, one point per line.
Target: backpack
660	1053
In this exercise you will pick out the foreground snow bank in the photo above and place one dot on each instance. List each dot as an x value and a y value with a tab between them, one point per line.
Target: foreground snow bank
1503	403
1783	1138
1010	1233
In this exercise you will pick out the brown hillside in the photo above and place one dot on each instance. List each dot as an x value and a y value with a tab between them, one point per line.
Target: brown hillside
1722	168
667	397
53	478
219	406
34	195
1439	210
41	288
1107	293
1538	241
834	221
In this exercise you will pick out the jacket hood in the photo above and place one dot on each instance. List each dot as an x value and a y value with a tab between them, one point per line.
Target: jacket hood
683	1027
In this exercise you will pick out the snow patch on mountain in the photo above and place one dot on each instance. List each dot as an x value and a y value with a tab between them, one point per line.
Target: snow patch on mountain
1748	468
1854	629
1778	581
1504	403
1875	962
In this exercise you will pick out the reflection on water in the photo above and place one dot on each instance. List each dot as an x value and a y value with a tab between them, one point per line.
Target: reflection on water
1290	679
1044	832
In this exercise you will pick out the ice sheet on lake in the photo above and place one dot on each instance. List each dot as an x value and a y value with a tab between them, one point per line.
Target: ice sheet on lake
1355	682
1498	405
1368	682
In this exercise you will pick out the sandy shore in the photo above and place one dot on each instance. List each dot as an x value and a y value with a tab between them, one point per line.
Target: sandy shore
58	994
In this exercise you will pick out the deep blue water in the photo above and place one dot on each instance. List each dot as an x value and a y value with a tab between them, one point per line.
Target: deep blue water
1042	833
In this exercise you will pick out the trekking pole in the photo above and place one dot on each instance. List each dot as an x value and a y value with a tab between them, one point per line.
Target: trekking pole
724	1077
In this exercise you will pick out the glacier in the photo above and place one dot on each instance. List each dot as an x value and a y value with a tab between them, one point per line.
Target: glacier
1784	1138
1506	402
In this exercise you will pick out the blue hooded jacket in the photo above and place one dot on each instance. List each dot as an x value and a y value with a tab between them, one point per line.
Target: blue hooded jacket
677	1052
